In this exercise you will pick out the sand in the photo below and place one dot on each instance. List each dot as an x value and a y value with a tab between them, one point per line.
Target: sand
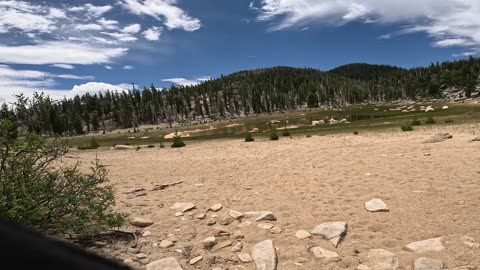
432	190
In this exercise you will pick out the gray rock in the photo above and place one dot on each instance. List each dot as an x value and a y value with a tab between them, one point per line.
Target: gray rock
235	214
169	263
264	255
333	231
166	244
238	247
428	264
302	234
376	205
245	258
182	207
324	254
434	244
216	207
195	260
140	222
440	137
209	242
380	259
261	215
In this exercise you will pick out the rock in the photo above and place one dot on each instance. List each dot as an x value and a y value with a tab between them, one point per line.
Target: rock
127	261
363	267
211	222
141	255
245	258
179	251
209	242
376	205
182	207
169	263
216	268
434	244
428	264
265	226
264	255
477	139
195	260
179	214
172	238
317	123
261	215
244	224
166	244
254	130
146	233
440	137
302	234
445	108
223	245
216	207
333	231
470	242
235	214
201	216
333	121
238	247
327	255
220	231
380	259
276	230
238	235
227	221
123	147
140	222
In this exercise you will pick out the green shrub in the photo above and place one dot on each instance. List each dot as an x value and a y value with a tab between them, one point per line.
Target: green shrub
448	121
274	136
249	138
151	146
57	200
177	142
407	127
430	121
162	145
355	132
415	122
285	133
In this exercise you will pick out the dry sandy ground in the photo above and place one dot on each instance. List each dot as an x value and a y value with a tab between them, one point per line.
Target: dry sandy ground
433	190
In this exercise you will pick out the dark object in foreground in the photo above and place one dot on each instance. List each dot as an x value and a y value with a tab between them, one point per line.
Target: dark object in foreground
24	249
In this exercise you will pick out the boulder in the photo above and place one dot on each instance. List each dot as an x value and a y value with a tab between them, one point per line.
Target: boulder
182	207
324	254
380	259
169	263
376	205
140	222
264	255
333	231
428	264
434	244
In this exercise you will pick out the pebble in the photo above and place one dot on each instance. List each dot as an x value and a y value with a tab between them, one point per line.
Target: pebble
140	222
166	244
245	258
302	234
276	230
211	222
238	247
238	235
195	260
216	207
235	214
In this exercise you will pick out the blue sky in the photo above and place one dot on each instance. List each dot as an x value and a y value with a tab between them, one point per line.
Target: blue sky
69	47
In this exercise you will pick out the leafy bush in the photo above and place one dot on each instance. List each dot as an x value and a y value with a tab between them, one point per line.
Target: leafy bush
407	127
177	142
38	190
151	146
285	133
162	145
448	121
93	145
274	136
415	122
430	121
249	138
355	132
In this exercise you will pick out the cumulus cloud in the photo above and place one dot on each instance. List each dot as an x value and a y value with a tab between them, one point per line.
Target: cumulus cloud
97	87
91	10
132	29
163	10
64	66
90	26
152	33
450	22
187	82
128	67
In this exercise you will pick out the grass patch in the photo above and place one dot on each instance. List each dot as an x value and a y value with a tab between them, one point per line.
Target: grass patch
355	132
407	127
274	136
415	122
285	133
430	121
249	138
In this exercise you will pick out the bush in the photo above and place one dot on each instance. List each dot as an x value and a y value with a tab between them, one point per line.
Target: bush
308	136
55	199
407	127
430	121
448	121
249	138
274	136
162	145
151	146
415	122
355	132
285	133
177	142
93	145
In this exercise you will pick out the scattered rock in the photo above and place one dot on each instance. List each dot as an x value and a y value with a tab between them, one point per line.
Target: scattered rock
216	207
470	242
276	230
327	255
223	245
428	264
333	231
244	224
146	233
477	139
169	263
302	234
380	259
140	222
245	258
227	221
211	222
172	238
261	215
440	137
141	255
179	214
376	205
183	207
209	242
166	244
220	231
265	226
195	260
201	216
238	235
238	247
264	255
434	244
235	214
254	130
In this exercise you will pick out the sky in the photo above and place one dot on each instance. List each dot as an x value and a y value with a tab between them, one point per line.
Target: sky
69	47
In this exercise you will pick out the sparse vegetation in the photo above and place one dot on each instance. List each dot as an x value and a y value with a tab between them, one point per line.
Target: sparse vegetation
177	142
430	121
407	127
162	145
93	145
249	138
274	136
355	132
415	122
151	146
285	133
448	121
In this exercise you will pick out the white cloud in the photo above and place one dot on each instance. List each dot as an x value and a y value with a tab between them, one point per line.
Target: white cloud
121	36
91	10
163	10
187	82
59	52
88	27
132	29
450	22
23	16
128	67
152	33
108	24
108	67
75	77
64	66
97	87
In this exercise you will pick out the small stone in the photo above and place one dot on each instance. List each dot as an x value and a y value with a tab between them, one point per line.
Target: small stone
140	222
201	216
141	256
264	255
244	224
333	231
195	260
327	255
220	231
216	207
127	261
178	214
275	230
428	264
261	216
216	268
155	245
214	215
235	214
169	263
238	247
265	226
245	258
302	234
376	205
209	242
146	233
238	235
179	251
183	207
227	221
363	267
382	259
434	244
211	222
166	244
223	245
144	261
172	238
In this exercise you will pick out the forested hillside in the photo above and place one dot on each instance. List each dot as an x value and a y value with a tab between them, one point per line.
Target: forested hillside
243	93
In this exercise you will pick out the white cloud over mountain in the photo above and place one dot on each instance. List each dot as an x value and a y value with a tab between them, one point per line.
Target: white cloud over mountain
187	82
